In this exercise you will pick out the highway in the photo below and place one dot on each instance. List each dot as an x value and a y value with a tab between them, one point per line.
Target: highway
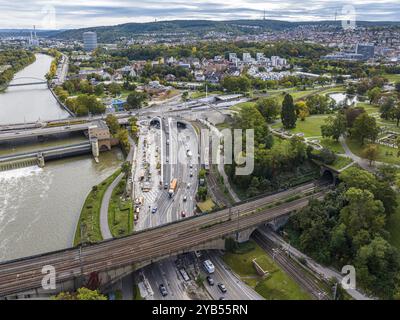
236	288
24	274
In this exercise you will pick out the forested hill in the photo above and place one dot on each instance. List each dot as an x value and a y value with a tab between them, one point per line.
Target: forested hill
199	28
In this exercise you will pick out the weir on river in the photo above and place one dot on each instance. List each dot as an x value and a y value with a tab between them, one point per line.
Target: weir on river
40	207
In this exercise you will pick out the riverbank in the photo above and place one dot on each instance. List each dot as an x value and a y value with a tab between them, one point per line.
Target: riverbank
88	229
11	62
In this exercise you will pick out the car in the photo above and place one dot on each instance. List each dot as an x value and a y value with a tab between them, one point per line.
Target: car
166	185
183	214
189	185
222	287
221	298
191	173
163	290
167	159
191	166
210	280
154	210
184	199
167	141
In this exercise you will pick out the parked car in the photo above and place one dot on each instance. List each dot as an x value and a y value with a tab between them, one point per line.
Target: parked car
183	214
154	210
184	198
210	280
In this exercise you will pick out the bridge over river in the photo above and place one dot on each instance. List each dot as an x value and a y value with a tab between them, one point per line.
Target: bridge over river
126	254
29	81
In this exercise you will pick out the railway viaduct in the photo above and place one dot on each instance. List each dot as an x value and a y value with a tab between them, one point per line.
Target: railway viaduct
110	260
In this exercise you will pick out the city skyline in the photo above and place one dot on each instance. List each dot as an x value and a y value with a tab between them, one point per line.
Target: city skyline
57	14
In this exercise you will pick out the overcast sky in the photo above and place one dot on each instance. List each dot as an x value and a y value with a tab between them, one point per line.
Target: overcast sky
51	14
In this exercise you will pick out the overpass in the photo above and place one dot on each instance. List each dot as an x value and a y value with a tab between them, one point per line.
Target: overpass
142	248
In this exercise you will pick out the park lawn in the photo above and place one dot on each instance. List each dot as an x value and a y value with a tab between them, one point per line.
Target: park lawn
392	77
334	146
90	214
385	154
311	127
393	226
120	212
369	108
277	286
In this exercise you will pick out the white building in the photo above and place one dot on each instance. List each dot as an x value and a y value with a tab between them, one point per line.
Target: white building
247	57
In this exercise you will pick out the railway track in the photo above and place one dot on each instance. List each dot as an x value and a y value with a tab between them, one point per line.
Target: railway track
25	274
306	280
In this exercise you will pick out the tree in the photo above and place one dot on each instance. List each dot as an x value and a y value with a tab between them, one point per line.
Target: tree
371	152
363	212
319	104
397	86
250	118
185	96
236	84
352	114
302	110
81	294
99	89
288	113
269	108
112	123
374	94
334	127
364	127
115	88
136	99
386	107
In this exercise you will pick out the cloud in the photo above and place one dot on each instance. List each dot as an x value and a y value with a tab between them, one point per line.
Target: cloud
85	13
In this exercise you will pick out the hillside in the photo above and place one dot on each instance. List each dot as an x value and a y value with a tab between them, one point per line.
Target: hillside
198	28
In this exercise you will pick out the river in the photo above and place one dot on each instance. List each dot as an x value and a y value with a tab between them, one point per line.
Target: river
39	208
30	103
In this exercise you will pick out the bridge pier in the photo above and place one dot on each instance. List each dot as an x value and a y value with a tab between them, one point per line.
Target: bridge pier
40	159
95	148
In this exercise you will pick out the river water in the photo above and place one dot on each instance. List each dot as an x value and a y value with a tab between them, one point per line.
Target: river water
30	103
39	208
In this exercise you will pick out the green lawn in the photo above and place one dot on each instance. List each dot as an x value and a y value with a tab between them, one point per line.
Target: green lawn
334	146
88	229
392	77
120	212
311	127
386	154
277	286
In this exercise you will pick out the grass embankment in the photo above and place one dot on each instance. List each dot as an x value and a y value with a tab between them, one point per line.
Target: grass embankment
276	286
385	154
341	162
88	229
120	212
206	206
